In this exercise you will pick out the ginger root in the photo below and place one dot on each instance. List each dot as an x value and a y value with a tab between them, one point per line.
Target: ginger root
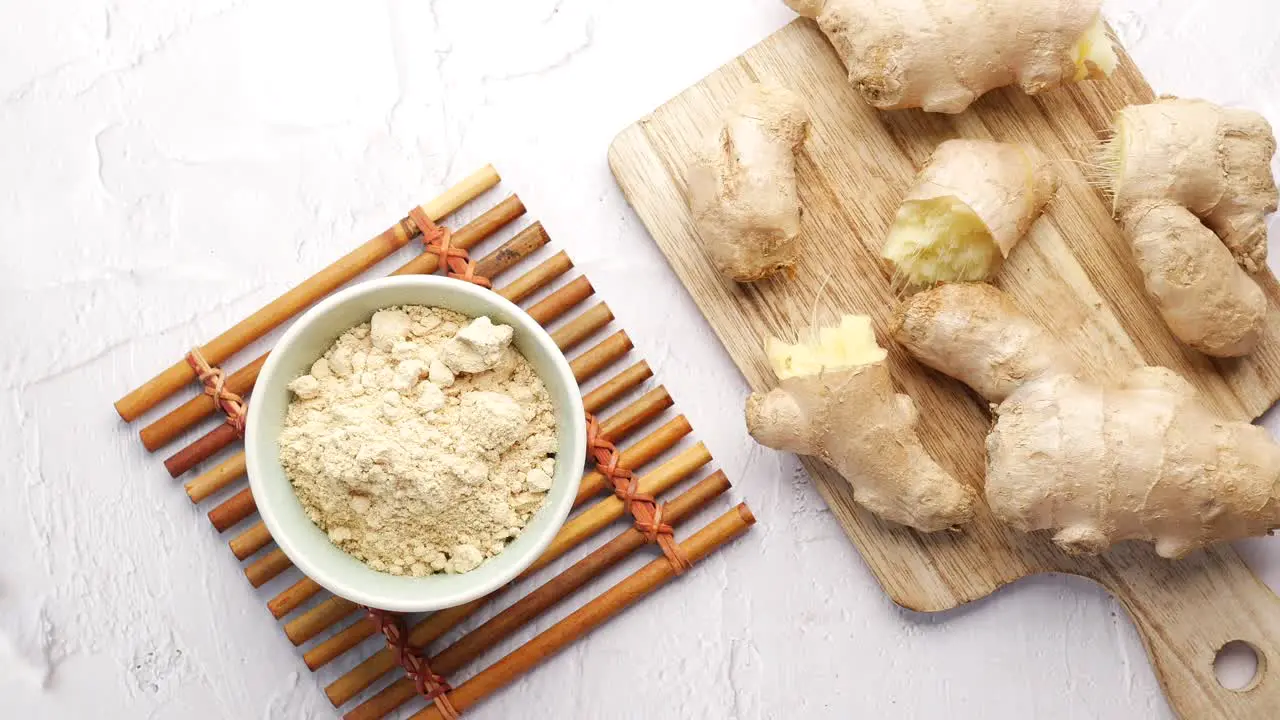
1192	186
835	401
940	56
970	204
742	184
1141	460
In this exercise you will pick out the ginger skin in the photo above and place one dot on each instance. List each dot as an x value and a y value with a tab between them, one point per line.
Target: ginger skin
1141	460
970	204
905	54
1192	187
835	401
742	184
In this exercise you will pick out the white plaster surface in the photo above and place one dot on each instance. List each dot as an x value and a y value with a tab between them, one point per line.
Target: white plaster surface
167	166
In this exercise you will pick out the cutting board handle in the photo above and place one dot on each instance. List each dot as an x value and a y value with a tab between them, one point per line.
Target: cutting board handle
1186	611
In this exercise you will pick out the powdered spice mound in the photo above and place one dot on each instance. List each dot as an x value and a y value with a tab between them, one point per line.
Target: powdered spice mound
421	442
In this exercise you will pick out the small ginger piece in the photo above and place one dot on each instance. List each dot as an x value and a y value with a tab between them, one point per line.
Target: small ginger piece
941	56
1096	464
742	184
1192	187
835	401
970	204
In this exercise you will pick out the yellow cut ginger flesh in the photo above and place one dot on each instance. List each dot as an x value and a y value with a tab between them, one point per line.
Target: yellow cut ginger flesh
850	344
835	401
941	56
1095	463
1192	187
969	206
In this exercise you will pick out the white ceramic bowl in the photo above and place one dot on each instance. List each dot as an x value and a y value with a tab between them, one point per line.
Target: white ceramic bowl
305	544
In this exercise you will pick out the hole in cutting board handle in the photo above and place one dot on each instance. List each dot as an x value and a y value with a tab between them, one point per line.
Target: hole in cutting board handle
1239	666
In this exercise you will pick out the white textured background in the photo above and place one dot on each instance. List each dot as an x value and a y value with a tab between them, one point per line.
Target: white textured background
167	166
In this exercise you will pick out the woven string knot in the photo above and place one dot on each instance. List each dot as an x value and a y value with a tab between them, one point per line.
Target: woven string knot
438	240
654	528
433	688
643	507
215	386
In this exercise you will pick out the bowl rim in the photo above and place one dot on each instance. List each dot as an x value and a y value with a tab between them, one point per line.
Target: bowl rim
576	438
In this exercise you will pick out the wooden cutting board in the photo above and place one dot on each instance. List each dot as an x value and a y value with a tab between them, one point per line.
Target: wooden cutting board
1073	274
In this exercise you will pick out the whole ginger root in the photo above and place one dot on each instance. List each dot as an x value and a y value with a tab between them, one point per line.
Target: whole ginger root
742	184
941	56
1141	460
970	204
1192	187
835	401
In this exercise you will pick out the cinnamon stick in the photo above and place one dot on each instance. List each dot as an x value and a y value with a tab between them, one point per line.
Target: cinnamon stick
619	385
202	449
340	642
265	568
513	251
581	327
559	302
577	530
548	595
208	483
310	290
594	614
318	618
293	597
250	541
164	430
590	363
537	278
638	413
233	510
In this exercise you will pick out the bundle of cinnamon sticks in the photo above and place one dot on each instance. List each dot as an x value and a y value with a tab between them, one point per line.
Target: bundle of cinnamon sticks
325	615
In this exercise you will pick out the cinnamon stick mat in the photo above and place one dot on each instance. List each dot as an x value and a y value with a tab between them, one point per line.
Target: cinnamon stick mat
641	449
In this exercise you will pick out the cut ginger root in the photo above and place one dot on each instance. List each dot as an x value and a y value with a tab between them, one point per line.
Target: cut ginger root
941	56
835	401
742	184
1192	187
969	206
1096	464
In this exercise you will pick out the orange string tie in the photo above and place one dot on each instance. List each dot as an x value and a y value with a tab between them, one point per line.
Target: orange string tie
432	687
437	241
655	527
215	382
604	453
643	507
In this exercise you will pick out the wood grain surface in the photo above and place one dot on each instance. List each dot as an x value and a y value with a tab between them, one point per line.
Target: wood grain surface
1073	273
